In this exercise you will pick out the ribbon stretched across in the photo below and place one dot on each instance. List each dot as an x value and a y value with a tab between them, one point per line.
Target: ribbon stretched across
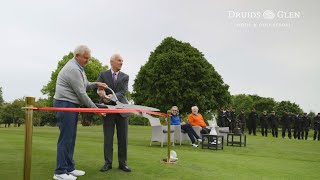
100	110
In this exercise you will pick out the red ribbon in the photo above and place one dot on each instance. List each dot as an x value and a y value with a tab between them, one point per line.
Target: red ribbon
100	110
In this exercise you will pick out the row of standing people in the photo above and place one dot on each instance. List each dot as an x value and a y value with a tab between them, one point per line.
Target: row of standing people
300	123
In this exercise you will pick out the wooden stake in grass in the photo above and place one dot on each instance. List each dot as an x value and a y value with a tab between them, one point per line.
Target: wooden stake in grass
168	160
28	138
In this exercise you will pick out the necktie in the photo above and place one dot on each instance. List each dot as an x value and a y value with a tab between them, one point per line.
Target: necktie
114	77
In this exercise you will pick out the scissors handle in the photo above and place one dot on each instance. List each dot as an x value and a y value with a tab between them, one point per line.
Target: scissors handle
113	98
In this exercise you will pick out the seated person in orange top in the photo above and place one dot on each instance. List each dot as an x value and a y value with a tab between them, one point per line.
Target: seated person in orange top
176	120
196	119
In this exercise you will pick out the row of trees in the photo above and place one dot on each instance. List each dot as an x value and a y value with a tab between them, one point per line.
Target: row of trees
175	74
10	112
13	114
247	102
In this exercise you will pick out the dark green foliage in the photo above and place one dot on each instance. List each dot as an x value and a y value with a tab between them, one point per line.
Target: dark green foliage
12	113
50	88
42	118
242	102
287	106
247	102
1	97
263	104
48	118
178	74
312	114
1	103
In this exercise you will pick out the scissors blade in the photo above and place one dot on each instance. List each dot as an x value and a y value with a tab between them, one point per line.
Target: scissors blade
127	106
105	106
132	106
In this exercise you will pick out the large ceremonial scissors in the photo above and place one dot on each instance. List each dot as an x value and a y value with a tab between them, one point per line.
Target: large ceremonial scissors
120	105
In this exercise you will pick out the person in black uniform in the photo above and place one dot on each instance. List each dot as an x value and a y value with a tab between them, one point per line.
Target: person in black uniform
300	126
228	119
253	117
233	119
305	126
273	119
316	121
242	119
296	121
286	124
222	118
264	123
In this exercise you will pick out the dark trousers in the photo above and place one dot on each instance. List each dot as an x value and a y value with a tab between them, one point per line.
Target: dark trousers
121	123
222	122
304	134
242	126
67	123
274	130
231	126
264	131
252	128
190	131
316	132
284	129
297	133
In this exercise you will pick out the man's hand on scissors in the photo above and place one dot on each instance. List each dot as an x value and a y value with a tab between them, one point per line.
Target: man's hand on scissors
101	85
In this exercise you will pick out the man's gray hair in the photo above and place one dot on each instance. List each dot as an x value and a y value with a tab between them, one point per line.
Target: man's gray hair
194	107
176	107
113	57
81	49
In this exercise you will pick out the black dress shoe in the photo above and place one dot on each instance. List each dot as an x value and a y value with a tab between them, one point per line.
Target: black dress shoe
106	168
125	168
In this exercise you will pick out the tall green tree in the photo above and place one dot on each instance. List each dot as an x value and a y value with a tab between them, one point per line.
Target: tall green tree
242	102
1	97
12	113
287	106
264	104
1	103
178	74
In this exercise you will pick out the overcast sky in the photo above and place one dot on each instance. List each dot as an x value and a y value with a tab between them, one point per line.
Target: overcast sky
269	48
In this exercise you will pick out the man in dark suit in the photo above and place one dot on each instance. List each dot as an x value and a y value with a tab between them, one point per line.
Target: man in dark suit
242	119
264	123
253	118
118	82
286	124
274	120
306	123
316	121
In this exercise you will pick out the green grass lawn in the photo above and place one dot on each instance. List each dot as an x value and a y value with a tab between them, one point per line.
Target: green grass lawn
263	158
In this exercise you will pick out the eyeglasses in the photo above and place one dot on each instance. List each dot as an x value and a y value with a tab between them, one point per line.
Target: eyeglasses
174	110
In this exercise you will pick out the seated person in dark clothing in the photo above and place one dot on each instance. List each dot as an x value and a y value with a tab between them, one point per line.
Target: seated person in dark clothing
176	120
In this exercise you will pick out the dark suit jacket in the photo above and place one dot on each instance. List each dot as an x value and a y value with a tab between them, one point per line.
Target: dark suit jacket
120	87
